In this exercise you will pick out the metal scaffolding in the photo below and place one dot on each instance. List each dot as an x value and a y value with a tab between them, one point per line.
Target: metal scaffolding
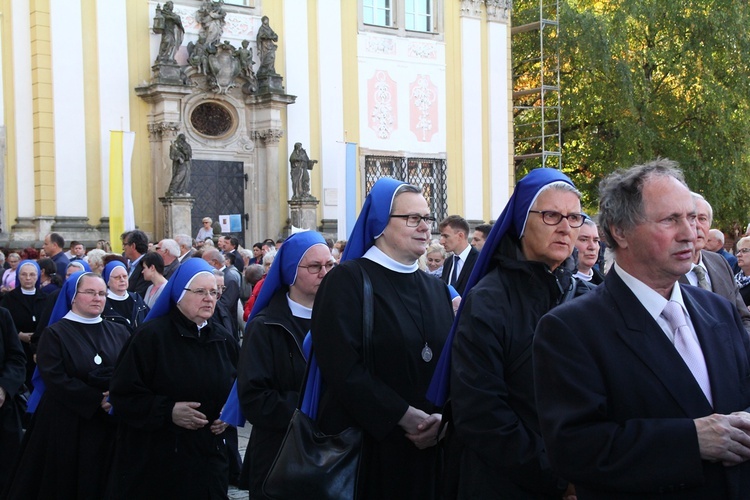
536	84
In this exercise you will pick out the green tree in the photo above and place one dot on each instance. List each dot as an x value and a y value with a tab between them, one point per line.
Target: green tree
647	78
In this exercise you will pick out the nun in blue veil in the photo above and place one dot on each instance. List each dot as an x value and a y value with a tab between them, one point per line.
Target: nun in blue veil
494	447
272	364
168	388
412	315
68	447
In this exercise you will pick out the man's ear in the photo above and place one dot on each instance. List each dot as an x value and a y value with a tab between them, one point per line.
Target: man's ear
619	236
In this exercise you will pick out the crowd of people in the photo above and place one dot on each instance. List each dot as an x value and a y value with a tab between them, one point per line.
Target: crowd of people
520	359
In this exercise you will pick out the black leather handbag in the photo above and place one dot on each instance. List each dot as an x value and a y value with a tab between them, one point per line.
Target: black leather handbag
312	464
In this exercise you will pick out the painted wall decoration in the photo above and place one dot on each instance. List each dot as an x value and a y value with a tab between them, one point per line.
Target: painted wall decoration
423	108
382	104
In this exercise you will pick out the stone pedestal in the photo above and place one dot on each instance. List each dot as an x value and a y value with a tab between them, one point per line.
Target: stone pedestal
177	211
270	84
304	213
168	73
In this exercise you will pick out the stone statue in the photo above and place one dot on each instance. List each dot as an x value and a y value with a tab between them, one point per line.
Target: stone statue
300	164
211	15
266	48
245	55
198	55
169	25
180	153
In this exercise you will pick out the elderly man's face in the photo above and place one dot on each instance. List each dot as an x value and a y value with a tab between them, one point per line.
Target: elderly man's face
660	250
713	243
703	224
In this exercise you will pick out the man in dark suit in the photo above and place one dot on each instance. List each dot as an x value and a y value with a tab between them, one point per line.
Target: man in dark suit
643	385
454	236
136	245
186	247
232	283
710	270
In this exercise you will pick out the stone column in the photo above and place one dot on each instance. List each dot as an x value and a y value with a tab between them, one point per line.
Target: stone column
177	210
266	128
165	121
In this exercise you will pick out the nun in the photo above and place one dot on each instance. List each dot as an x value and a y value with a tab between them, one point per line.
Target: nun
524	270
68	446
126	308
26	305
412	317
272	364
167	391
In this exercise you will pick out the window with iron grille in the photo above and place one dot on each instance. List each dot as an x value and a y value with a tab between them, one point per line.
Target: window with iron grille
426	173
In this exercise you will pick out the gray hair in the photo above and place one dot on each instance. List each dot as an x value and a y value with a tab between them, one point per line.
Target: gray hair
245	253
95	257
183	240
717	234
744	239
269	256
170	246
621	195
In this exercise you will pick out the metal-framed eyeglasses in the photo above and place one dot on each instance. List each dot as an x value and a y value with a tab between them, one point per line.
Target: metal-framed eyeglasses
743	250
213	293
92	293
552	218
316	268
413	220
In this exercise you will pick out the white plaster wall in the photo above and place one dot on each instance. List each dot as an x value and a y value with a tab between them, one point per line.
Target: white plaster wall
471	101
297	81
113	78
403	59
24	140
333	154
499	116
69	112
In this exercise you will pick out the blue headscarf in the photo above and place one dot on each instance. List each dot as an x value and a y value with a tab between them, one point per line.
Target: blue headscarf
63	304
283	272
79	263
513	222
111	265
373	218
175	287
38	272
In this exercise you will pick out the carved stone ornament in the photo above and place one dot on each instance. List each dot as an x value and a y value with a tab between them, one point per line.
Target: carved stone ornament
224	66
268	136
157	130
498	10
471	8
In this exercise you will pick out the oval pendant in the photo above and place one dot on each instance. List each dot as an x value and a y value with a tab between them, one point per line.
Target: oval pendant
98	359
426	353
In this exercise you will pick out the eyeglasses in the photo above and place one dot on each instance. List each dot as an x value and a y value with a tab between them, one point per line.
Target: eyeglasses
93	293
552	218
413	220
316	268
205	293
743	250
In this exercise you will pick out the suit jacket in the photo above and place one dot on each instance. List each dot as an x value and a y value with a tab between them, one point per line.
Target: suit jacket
616	401
722	282
463	277
731	259
189	255
136	282
231	296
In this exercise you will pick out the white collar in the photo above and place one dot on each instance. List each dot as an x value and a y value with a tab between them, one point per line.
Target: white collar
377	256
298	310
112	295
28	292
80	319
465	254
648	297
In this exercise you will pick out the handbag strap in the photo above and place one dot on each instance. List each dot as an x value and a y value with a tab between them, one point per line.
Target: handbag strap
367	321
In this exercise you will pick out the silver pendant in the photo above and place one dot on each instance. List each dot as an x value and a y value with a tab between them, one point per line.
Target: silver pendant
426	353
98	359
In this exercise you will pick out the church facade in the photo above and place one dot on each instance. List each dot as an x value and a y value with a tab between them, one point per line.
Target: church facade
420	90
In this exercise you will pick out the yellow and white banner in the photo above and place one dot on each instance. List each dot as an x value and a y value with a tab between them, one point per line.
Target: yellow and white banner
121	215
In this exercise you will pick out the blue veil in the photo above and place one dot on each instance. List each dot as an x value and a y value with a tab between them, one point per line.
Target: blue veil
38	272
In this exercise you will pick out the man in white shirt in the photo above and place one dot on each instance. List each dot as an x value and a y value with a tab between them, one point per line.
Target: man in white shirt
454	232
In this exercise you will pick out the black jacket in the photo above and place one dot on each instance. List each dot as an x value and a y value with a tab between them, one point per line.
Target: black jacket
137	316
498	448
269	377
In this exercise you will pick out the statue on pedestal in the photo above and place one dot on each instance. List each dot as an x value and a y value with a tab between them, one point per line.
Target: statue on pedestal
169	25
180	153
211	16
266	48
300	164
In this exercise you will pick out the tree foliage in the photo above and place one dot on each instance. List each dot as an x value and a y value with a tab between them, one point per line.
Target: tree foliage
642	79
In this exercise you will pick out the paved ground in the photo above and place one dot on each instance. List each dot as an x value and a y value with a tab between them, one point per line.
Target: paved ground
243	434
